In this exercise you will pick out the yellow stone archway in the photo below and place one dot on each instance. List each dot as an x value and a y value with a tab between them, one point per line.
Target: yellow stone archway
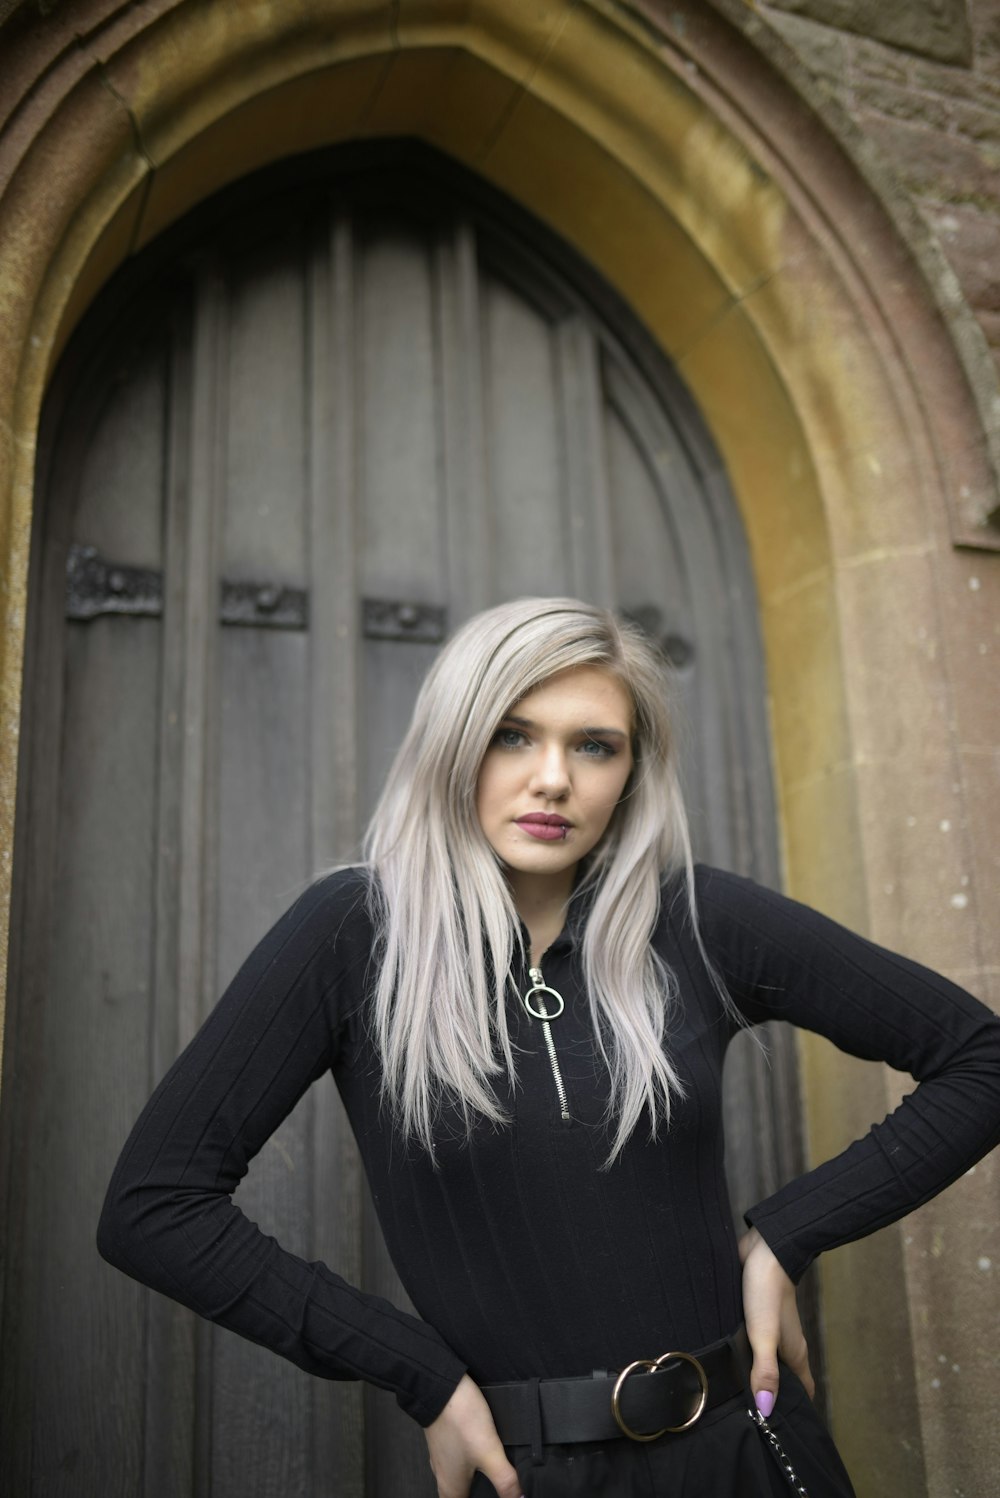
848	407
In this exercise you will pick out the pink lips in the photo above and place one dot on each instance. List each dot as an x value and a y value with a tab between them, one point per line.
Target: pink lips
546	826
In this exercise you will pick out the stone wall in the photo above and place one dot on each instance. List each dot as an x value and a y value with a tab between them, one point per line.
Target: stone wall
923	83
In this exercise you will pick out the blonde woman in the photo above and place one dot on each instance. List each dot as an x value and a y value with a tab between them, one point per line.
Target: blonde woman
525	994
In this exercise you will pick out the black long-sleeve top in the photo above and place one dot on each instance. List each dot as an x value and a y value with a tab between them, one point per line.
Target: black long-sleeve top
524	1257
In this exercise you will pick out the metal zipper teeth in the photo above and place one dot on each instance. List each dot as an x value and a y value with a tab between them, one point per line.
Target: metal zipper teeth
535	973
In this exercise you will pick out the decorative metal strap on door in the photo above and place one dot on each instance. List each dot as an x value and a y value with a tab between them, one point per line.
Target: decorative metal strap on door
96	586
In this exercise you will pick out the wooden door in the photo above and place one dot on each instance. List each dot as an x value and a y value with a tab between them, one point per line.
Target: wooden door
290	449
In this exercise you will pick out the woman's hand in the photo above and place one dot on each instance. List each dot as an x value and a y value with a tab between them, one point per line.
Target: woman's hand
463	1440
773	1325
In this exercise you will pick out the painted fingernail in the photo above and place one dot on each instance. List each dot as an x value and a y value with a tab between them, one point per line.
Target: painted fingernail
764	1401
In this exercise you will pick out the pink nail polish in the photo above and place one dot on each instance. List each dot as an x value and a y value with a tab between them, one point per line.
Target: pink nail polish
765	1402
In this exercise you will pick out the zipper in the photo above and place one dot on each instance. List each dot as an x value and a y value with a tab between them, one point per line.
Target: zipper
539	1011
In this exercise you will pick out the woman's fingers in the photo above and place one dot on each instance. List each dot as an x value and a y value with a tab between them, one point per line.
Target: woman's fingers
794	1348
503	1477
764	1378
762	1294
463	1440
772	1320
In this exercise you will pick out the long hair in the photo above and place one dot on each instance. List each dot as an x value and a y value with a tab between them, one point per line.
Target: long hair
445	917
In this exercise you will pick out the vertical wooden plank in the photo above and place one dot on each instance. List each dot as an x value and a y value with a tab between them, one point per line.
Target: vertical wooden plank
334	692
70	1326
401	531
402	546
471	581
36	841
584	465
261	1428
753	814
527	484
401	513
171	1329
265	458
121	465
393	672
189	832
333	547
197	819
94	1025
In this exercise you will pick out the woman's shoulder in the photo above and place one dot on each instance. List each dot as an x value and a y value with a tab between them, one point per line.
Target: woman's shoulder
722	900
334	915
344	884
346	897
710	883
724	886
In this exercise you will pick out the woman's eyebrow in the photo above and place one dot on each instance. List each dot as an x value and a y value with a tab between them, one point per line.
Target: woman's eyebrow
615	733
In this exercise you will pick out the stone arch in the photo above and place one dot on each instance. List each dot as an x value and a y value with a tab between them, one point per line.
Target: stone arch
834	365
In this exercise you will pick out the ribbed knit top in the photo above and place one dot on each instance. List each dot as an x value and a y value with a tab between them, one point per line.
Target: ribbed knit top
523	1255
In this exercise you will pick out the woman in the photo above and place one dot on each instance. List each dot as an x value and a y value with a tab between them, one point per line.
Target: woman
525	995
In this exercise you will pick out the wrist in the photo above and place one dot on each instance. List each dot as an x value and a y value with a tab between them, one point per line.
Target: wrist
748	1242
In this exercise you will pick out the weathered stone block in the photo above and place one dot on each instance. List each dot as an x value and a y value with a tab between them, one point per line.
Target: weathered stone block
971	240
823	51
877	60
937	28
901	103
891	632
980	770
979	86
809	724
970	607
990	324
985	19
933	164
978	121
918	851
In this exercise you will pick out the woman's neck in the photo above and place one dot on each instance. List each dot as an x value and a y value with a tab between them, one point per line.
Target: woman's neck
541	900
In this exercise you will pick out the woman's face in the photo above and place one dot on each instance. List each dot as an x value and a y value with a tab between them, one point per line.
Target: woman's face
554	772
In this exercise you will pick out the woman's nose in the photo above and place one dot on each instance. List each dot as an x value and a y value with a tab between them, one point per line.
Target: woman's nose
551	773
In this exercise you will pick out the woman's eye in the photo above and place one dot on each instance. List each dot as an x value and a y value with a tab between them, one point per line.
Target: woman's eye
508	738
597	749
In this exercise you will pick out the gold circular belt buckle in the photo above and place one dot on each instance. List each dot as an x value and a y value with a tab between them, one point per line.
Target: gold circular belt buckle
650	1366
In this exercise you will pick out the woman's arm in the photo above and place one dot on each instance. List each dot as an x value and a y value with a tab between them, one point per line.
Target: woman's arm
781	960
169	1220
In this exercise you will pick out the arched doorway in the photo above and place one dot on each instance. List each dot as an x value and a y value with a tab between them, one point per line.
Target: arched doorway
336	411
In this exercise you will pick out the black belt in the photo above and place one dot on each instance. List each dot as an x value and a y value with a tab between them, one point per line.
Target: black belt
648	1399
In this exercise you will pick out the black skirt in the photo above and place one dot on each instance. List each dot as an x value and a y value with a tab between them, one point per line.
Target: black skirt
726	1455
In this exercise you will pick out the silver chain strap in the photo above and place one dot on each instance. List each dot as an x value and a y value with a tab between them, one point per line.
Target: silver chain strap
780	1454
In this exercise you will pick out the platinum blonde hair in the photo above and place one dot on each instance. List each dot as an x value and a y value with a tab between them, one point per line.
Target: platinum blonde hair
447	925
